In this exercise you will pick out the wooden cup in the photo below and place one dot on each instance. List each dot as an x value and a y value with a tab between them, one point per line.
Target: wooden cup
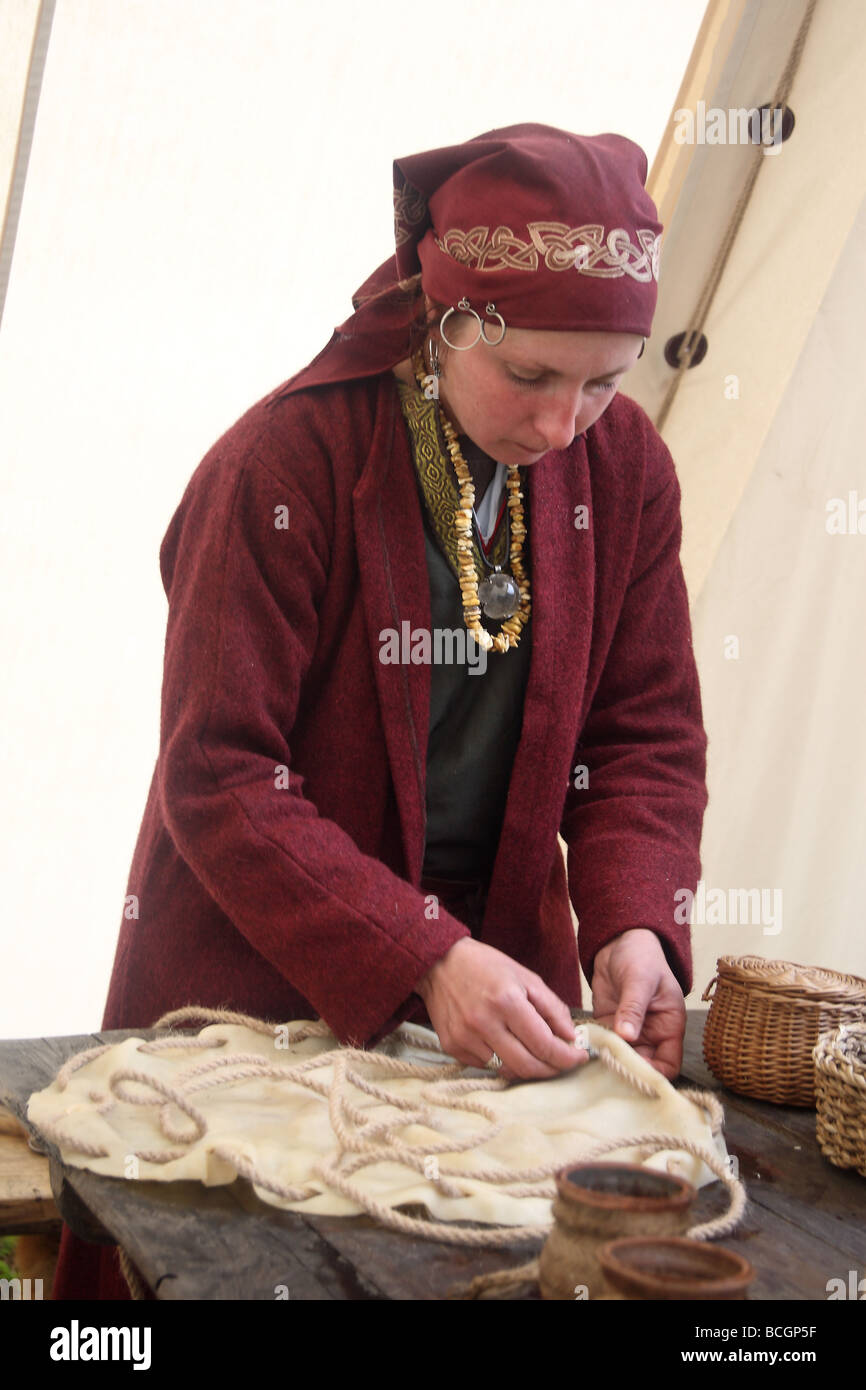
684	1270
596	1204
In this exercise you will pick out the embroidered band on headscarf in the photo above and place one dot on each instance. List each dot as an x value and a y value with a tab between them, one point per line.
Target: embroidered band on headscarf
557	230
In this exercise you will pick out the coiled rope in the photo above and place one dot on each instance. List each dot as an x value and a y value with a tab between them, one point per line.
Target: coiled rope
362	1142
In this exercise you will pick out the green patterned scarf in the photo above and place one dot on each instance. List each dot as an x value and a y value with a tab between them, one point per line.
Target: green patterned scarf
439	484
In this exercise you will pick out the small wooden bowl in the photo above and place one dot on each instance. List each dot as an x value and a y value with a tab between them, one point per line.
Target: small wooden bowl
674	1268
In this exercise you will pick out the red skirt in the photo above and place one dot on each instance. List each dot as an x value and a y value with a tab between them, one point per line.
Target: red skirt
88	1271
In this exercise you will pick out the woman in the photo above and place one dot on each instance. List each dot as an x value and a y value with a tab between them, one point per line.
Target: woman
339	823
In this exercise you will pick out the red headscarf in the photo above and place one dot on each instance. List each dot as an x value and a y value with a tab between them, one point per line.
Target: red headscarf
555	230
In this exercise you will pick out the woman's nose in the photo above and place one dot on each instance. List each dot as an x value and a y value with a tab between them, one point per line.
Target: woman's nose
558	420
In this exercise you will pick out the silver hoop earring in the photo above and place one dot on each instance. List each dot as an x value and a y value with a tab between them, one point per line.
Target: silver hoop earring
493	342
640	354
463	307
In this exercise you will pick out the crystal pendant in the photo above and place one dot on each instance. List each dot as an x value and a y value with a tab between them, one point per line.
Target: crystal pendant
499	595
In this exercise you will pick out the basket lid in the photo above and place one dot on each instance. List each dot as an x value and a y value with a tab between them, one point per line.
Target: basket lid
791	980
841	1053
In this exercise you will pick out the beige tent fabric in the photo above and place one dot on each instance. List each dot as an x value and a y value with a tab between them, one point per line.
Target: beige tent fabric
17	30
796	226
24	34
286	1135
787	757
767	434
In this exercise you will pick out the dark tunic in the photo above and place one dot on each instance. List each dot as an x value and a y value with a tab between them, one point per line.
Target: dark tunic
475	719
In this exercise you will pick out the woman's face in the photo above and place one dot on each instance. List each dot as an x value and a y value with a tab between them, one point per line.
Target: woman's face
535	391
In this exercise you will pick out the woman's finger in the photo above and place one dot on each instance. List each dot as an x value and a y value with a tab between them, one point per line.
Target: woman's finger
551	1008
536	1050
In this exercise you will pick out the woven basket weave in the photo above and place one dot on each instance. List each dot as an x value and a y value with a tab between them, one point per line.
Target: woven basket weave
840	1084
765	1019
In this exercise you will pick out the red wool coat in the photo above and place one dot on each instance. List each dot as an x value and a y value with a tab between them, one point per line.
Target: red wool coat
303	899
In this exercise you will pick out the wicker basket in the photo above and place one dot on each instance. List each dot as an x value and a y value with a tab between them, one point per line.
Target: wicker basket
765	1019
840	1084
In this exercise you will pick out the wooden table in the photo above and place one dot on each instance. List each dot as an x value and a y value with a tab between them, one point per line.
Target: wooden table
805	1223
27	1206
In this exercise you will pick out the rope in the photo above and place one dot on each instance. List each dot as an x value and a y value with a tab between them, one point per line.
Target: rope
708	1102
137	1287
509	1283
655	1143
613	1064
361	1142
502	1283
192	1013
79	1060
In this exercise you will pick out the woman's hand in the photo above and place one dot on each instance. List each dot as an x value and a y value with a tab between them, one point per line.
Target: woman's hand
480	1001
635	994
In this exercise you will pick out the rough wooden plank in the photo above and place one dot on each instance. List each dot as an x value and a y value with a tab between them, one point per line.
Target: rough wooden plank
427	1270
410	1268
188	1241
195	1242
777	1130
791	1263
801	1187
200	1242
26	1202
28	1065
788	1177
80	1217
10	1124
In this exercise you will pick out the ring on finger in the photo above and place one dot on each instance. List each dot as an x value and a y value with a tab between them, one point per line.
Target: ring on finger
495	1062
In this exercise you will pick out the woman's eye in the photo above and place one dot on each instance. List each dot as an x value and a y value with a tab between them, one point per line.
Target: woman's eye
528	381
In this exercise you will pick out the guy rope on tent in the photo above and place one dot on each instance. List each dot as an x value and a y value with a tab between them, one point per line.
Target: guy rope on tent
362	1141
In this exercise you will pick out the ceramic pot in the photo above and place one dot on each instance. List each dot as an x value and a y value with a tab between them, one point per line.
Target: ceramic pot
596	1203
685	1270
